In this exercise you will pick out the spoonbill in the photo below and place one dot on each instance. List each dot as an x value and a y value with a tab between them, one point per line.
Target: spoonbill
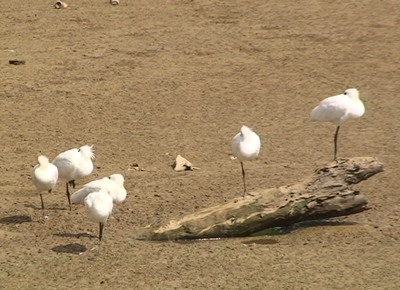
74	164
245	146
44	176
114	184
338	109
98	207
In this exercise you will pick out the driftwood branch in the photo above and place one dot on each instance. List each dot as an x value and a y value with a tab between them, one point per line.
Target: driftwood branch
327	193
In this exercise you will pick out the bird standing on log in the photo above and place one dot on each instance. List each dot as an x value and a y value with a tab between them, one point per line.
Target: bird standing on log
338	109
246	146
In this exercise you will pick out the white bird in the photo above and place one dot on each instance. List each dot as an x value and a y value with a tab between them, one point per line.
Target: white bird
338	109
44	176
74	164
98	207
114	184
246	146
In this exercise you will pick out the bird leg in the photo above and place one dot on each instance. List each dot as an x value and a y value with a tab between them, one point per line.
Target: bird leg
41	199
72	182
244	180
335	142
244	183
101	228
68	195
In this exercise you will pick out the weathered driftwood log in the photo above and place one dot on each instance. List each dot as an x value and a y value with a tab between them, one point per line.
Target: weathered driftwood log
325	194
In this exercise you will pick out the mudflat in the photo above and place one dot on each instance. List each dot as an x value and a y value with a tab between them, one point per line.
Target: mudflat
145	81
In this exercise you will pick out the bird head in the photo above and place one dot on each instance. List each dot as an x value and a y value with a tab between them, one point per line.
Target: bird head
245	130
43	160
352	93
117	178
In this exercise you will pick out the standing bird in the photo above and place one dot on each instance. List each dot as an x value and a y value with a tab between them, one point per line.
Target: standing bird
98	207
338	109
114	184
246	146
74	164
44	176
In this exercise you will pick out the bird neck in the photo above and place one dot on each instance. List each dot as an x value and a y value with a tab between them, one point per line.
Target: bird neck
43	166
248	136
354	98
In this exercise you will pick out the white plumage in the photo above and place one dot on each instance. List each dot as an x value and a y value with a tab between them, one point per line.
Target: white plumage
114	184
98	207
74	164
338	109
44	176
246	146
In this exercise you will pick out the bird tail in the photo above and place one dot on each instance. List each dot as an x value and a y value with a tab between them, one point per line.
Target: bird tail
315	115
87	151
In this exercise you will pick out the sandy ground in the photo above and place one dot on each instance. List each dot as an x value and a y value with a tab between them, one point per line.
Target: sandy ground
147	80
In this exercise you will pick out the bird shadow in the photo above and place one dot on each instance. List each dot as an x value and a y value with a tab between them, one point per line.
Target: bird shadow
16	219
70	249
46	208
75	235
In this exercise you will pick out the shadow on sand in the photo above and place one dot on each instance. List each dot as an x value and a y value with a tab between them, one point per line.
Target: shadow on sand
77	235
15	219
46	208
70	248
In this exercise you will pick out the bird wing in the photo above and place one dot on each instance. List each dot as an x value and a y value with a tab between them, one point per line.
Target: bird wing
54	172
79	196
65	163
330	109
99	205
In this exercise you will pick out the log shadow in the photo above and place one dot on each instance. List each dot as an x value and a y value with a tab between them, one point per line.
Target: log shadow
192	241
260	242
318	223
75	235
302	225
15	219
70	249
46	208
